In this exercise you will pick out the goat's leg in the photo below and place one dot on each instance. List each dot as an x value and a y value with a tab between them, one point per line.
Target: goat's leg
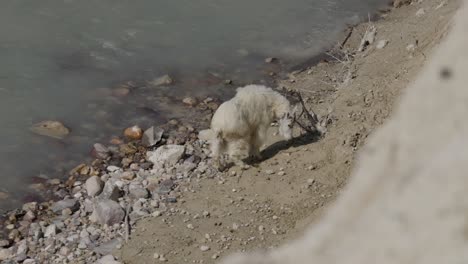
255	145
238	150
257	142
218	147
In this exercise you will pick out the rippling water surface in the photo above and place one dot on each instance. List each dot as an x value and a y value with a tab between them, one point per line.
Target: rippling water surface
63	60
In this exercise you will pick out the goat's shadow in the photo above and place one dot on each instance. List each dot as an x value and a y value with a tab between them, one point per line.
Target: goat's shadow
275	148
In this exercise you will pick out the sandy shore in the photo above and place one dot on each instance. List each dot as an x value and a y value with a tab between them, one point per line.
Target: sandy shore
186	212
274	202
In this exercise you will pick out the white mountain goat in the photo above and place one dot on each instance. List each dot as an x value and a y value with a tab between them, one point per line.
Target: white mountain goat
239	126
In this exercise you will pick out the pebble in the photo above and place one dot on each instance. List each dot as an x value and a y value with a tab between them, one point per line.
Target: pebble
133	133
215	256
411	47
50	231
128	175
421	12
112	168
109	259
190	101
204	248
190	226
281	173
156	214
382	44
269	172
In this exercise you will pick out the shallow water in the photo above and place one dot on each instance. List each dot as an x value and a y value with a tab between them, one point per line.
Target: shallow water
60	60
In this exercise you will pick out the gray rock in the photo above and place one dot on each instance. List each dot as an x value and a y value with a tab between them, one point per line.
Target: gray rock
22	248
165	187
71	204
29	261
108	212
108	247
35	231
50	231
109	259
137	191
4	243
64	251
112	168
187	166
111	191
5	254
167	155
94	186
100	151
32	206
152	136
21	257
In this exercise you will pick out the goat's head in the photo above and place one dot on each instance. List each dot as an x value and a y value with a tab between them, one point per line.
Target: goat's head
286	122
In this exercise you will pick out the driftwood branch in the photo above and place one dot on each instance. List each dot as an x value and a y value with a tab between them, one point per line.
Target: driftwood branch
315	124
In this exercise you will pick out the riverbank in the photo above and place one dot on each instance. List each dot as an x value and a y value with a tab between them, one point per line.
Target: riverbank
187	212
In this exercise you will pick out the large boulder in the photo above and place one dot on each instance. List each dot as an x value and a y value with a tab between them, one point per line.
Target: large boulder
167	155
107	212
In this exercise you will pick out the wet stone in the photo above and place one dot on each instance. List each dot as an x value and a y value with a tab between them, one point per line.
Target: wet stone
100	151
71	204
133	133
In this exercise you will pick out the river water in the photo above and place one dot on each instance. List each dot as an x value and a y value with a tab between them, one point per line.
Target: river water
60	60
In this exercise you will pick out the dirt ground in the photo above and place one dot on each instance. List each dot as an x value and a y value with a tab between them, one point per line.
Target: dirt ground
275	200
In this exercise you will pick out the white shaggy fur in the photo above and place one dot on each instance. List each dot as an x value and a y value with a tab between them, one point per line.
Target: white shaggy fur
240	125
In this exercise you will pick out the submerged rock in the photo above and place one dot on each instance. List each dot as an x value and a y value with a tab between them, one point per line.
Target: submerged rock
133	133
4	196
190	101
100	151
49	128
163	80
